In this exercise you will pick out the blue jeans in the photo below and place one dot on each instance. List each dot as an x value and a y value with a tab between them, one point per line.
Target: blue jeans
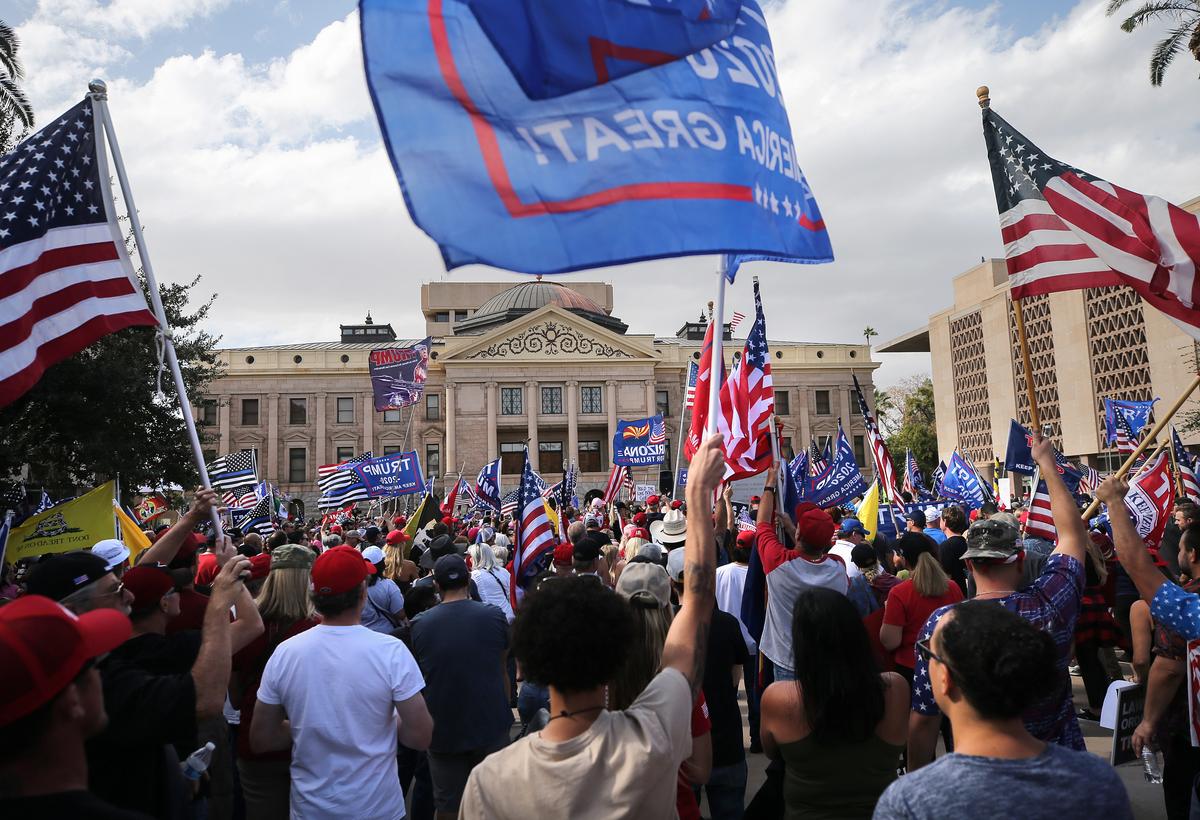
782	673
413	769
726	790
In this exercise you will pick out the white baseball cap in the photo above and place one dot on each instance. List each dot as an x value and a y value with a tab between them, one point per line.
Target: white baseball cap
932	514
373	554
112	551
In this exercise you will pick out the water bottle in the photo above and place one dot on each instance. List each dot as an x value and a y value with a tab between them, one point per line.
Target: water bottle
1152	765
197	762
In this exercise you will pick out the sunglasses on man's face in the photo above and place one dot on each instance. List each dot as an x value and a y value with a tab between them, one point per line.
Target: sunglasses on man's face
924	650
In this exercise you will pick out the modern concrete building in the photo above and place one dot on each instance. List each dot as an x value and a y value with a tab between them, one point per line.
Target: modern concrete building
539	361
1086	345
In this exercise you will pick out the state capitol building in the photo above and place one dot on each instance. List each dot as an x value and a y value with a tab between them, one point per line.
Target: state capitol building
538	361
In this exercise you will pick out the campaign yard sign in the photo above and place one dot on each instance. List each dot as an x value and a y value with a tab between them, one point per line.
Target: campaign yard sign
395	474
398	375
640	443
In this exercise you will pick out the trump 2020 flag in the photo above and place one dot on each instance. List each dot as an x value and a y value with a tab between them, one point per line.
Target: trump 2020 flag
1137	413
962	483
548	136
640	442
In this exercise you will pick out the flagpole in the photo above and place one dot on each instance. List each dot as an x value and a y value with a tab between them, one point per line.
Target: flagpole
99	95
717	361
1174	460
983	94
679	441
1145	443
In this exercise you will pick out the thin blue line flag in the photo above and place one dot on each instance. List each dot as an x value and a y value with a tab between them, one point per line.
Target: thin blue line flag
542	136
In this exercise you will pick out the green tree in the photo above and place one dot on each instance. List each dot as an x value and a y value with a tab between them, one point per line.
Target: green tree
16	112
917	430
885	411
1183	28
94	416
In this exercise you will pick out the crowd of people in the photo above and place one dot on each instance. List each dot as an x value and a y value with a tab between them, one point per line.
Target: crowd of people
339	670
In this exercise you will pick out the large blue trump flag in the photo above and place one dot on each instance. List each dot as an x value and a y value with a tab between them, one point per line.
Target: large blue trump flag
510	153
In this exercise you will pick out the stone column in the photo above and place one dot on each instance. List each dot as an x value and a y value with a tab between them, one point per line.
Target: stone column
272	466
572	452
492	445
532	406
651	404
368	424
322	430
844	409
223	410
611	406
451	450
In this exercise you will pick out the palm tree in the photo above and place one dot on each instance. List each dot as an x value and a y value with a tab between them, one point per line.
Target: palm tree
1186	16
868	332
16	112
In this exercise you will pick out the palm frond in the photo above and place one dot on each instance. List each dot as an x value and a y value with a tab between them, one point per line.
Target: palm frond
1176	9
1165	51
9	44
14	104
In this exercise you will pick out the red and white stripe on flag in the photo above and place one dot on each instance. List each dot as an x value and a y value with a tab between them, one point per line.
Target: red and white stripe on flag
1189	485
616	478
747	404
1065	229
1040	523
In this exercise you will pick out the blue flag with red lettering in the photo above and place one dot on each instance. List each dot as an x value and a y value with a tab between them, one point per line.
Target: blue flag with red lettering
544	136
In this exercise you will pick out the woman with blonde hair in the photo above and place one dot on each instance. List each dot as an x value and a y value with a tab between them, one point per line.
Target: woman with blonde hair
491	578
286	610
395	566
913	600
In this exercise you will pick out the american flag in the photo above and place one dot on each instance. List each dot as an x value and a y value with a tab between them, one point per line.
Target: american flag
1090	480
885	471
1040	523
258	519
1127	440
704	380
44	503
690	392
628	484
1189	485
1065	229
535	534
736	320
452	497
508	505
616	480
748	404
65	278
817	462
914	484
340	485
233	471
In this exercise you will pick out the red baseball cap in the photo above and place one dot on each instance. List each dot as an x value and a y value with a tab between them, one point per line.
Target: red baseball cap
652	499
206	569
640	519
338	570
564	553
745	538
260	565
399	521
44	645
397	537
642	533
676	504
814	526
336	529
149	583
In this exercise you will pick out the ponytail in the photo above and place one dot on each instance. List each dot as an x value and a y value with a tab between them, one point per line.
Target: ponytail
928	577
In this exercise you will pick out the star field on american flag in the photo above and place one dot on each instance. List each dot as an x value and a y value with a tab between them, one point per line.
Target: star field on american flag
51	180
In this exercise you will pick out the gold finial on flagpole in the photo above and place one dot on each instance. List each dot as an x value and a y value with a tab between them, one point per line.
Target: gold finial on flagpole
985	101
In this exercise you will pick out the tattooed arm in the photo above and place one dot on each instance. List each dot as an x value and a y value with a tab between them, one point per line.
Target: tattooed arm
687	639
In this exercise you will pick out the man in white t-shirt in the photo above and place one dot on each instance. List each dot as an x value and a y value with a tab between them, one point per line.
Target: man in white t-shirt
340	695
850	535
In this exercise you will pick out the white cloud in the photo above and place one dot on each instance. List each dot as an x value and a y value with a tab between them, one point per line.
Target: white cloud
271	181
140	18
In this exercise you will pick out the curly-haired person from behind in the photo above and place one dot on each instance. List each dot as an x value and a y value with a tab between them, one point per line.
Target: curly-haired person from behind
589	762
987	665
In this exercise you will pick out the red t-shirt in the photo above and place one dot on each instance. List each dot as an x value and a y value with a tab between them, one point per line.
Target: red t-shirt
192	605
685	798
249	663
906	609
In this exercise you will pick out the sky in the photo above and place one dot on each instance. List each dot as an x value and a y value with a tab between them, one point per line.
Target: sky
256	161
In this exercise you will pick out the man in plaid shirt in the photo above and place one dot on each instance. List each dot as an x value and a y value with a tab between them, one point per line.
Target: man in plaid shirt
1051	603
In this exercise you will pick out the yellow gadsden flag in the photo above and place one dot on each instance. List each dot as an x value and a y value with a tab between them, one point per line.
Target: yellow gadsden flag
868	510
73	525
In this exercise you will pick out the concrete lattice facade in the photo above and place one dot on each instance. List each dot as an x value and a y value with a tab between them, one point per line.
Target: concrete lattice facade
543	374
1085	346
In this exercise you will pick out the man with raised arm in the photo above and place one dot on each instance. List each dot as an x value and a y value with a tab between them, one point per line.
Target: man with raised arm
995	558
589	762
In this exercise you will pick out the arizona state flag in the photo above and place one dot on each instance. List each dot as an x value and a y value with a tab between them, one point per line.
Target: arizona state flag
72	525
